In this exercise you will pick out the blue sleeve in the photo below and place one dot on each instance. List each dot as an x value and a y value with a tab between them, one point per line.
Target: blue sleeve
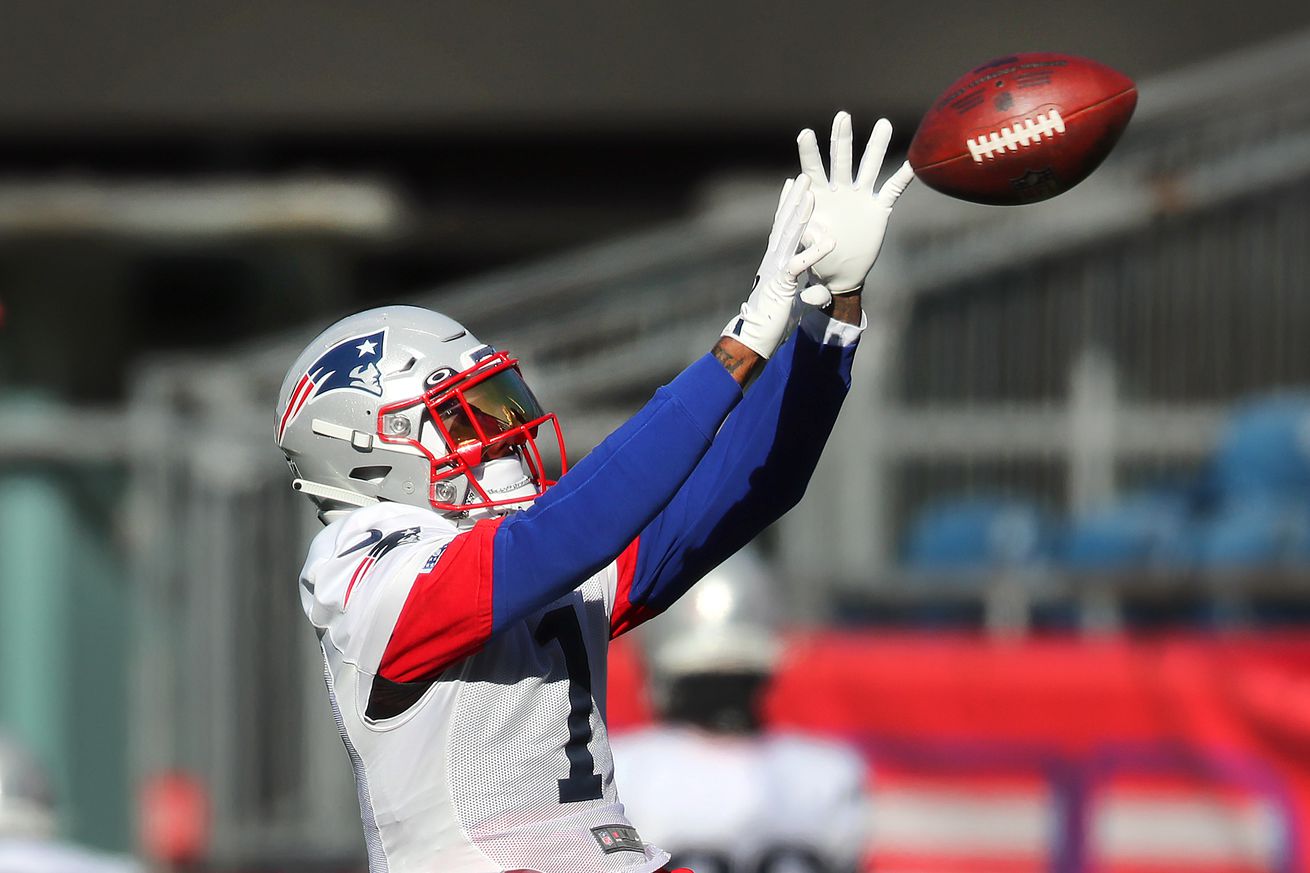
598	508
757	469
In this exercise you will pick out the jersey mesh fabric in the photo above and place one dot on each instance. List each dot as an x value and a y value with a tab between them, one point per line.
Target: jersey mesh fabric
377	859
507	750
466	779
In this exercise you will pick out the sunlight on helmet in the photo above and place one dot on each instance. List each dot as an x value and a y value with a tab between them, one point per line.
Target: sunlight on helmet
714	603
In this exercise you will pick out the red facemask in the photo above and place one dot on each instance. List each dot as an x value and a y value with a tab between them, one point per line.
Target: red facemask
484	413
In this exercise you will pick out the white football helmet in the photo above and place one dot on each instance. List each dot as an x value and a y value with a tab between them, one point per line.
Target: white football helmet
403	404
727	623
27	803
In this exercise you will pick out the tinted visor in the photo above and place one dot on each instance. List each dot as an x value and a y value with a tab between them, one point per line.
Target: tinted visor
489	408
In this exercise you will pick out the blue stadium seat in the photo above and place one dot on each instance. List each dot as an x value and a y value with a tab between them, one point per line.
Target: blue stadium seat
1255	531
1141	530
977	533
1265	450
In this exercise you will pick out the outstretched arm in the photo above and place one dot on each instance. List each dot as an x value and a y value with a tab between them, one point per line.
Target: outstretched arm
757	469
765	454
595	511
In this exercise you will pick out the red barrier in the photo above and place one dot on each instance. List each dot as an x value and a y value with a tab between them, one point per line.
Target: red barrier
1242	692
1129	714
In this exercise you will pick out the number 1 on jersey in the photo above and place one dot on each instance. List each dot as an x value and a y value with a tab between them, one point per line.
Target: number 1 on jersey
582	782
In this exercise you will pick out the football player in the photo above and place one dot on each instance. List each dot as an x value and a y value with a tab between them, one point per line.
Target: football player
464	602
708	783
28	826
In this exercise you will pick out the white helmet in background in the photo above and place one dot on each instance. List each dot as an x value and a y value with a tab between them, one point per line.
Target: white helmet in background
725	626
27	802
403	404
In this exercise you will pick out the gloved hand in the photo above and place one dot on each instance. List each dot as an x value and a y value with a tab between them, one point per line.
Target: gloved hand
766	316
849	211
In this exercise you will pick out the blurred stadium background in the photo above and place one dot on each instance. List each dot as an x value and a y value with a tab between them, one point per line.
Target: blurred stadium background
1053	576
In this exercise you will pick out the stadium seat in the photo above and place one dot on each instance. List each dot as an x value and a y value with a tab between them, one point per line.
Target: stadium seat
1255	531
1141	530
1265	450
977	533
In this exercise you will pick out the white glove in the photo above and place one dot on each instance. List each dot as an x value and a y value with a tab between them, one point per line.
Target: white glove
849	212
766	316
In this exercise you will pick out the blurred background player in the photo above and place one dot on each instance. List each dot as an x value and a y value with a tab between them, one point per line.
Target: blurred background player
709	782
29	825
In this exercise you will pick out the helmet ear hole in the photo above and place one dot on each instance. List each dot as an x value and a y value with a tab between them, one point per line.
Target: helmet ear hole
372	475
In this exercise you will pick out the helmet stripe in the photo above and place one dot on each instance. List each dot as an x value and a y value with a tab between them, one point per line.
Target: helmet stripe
304	388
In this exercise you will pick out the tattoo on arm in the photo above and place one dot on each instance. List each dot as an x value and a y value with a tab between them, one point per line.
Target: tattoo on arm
731	362
846	307
736	358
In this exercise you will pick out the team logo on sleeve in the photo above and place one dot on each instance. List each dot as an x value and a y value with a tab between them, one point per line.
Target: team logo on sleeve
350	365
370	538
381	545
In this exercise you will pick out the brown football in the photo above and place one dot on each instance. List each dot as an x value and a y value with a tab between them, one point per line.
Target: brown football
1022	128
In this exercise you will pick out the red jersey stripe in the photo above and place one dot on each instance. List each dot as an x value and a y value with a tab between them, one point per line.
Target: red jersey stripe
360	571
448	613
626	615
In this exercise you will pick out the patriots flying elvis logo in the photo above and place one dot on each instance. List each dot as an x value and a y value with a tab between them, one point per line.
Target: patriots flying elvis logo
350	365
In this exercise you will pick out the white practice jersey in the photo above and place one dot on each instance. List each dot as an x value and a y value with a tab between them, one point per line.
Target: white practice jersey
770	803
467	667
503	762
43	856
